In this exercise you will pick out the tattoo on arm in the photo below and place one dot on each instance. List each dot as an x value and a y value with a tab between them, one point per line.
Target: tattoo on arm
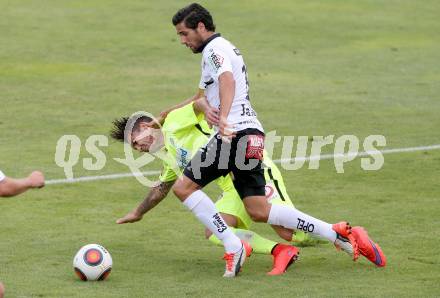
155	196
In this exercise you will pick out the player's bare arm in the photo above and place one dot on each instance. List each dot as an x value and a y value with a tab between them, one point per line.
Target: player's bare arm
11	187
164	113
211	113
154	197
226	93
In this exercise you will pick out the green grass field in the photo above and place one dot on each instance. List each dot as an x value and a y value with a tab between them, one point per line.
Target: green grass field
316	68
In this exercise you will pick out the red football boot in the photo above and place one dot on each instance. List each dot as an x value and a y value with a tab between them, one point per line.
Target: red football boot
355	241
283	256
368	248
345	240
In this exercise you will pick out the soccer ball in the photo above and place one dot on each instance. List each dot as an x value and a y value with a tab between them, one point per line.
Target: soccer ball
92	262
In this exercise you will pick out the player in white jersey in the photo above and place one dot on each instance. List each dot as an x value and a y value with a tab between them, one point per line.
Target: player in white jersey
237	148
220	56
11	187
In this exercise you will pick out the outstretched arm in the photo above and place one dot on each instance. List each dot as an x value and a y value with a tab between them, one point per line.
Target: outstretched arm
10	187
154	197
165	112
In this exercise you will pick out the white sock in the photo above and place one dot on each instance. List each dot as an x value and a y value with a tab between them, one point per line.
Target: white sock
292	218
204	209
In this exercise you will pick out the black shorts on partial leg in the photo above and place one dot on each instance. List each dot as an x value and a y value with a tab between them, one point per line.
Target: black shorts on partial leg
209	162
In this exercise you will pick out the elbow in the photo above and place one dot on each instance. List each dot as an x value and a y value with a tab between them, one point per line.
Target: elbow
8	188
155	201
6	193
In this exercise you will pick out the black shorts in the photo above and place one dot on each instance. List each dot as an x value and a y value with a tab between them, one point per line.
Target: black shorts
242	157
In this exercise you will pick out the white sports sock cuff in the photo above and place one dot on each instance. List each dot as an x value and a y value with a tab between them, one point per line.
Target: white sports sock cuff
273	218
194	199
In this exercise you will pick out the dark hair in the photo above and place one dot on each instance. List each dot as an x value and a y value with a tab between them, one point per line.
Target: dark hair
192	15
118	130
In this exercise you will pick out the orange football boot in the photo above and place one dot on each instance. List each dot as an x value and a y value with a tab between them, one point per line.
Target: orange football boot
234	261
355	241
368	248
283	256
345	240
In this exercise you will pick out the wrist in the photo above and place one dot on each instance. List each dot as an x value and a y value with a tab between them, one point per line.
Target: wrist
28	182
223	113
223	117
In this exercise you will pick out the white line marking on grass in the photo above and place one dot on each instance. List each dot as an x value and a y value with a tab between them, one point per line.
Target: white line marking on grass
103	177
308	158
359	154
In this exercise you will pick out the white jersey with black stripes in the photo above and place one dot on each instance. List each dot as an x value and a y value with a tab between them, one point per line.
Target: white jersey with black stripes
220	56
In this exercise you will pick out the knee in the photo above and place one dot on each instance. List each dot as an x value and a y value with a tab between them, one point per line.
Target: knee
184	187
177	190
180	190
258	215
259	212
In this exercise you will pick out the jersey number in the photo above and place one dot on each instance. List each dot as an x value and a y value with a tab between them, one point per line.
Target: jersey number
244	70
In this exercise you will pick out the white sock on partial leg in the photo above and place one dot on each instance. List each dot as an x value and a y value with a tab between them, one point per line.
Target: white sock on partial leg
292	218
204	209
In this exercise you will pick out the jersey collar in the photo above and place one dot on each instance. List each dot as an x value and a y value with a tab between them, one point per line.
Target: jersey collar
205	43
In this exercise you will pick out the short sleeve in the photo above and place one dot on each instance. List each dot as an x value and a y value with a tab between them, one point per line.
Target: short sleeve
2	176
181	118
168	174
218	63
